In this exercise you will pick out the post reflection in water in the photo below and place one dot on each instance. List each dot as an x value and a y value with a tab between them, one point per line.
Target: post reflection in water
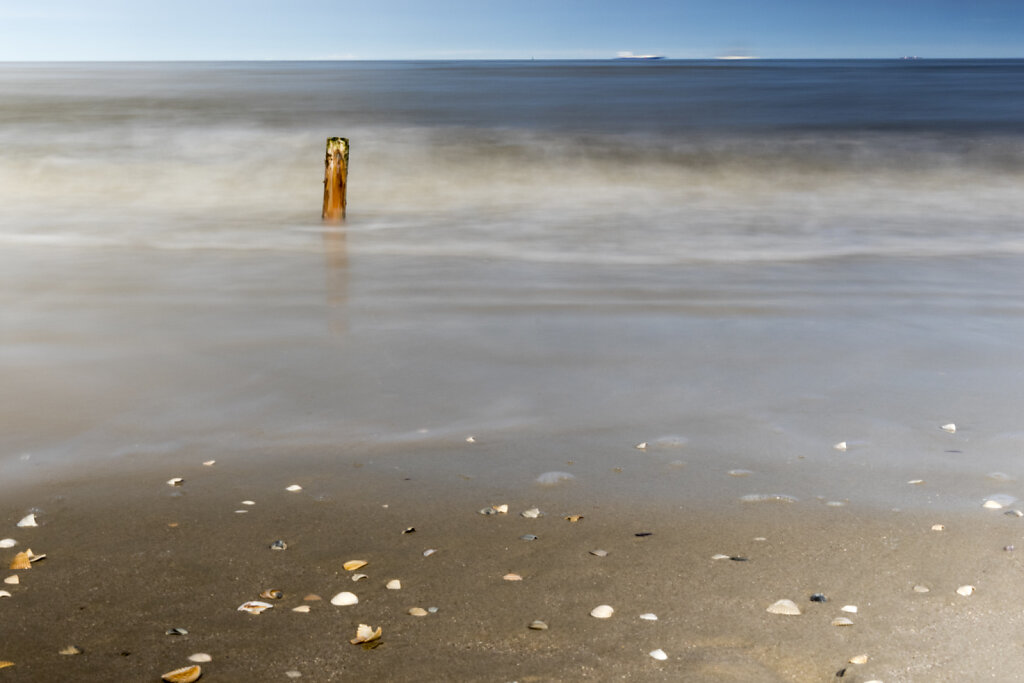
336	266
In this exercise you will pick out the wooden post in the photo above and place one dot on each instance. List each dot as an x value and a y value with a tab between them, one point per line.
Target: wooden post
335	180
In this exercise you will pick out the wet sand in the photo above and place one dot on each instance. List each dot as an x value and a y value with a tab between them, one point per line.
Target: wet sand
129	556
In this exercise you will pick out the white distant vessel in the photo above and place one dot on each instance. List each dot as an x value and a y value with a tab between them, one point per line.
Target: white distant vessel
630	55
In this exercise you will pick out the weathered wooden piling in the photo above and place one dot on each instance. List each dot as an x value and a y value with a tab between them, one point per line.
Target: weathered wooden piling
335	179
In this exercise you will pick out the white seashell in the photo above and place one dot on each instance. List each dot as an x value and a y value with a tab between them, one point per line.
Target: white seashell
501	509
915	482
649	616
760	538
966	590
859	659
12	580
921	589
835	503
938	527
175	481
554	478
418	612
293	488
293	674
4	594
28	520
241	512
951	428
359	577
344	599
787	607
841	446
841	621
602	611
599	553
658	654
200	657
254	606
428	552
851	609
209	463
248	502
470	439
992	505
532	513
394	585
302	609
642	445
8	543
719	556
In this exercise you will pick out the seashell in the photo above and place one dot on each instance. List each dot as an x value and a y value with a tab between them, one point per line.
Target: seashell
915	482
278	545
529	537
292	673
12	580
649	616
33	558
992	505
574	518
859	659
432	610
175	632
70	650
200	657
842	621
850	609
538	625
417	611
602	611
599	553
938	527
394	585
352	565
20	561
409	530
272	594
835	503
428	552
966	590
841	446
301	608
4	664
248	502
1014	513
365	634
312	597
470	439
359	577
658	654
501	509
241	512
254	606
951	428
8	543
344	599
28	520
209	463
4	594
293	488
532	513
512	577
554	478
787	607
175	481
488	511
921	589
719	556
641	446
187	674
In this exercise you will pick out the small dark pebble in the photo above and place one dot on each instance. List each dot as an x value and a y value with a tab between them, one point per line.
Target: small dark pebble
840	673
819	597
278	545
529	537
641	534
738	558
176	632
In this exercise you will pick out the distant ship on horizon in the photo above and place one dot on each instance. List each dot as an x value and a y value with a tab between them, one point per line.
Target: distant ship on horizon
630	55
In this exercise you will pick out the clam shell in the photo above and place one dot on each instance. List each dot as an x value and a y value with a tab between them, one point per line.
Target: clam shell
353	565
253	607
851	609
658	654
272	594
951	428
538	625
344	598
12	580
70	650
649	616
21	561
842	621
4	594
175	481
28	520
200	657
418	612
859	659
512	577
8	543
966	590
841	446
787	607
293	488
365	634
394	585
186	674
602	611
532	513
301	608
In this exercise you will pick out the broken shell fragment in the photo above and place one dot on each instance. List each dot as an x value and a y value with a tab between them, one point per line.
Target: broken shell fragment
417	611
538	625
301	608
187	674
602	611
278	545
8	543
272	594
599	553
428	552
209	463
12	580
512	577
175	481
921	589
365	634
966	590
4	664
842	621
293	488
850	609
175	632
938	527
70	650
574	518
28	520
649	616
344	599
992	505
352	565
951	428
360	577
312	597
841	446
21	561
529	537
787	607
641	446
254	606
200	657
658	654
394	585
4	594
532	513
859	659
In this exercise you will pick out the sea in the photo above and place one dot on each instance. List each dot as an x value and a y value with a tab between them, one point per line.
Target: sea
738	263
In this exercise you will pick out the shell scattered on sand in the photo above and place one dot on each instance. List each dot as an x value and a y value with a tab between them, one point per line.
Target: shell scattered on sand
992	505
529	537
859	659
70	650
200	657
921	589
209	463
916	482
4	594
248	502
292	673
12	580
740	473
293	488
495	510
28	520
470	439
272	594
344	598
573	518
842	621
658	654
599	553
302	609
602	611
366	634
21	561
966	590
532	513
175	481
186	674
641	446
8	543
841	446
418	612
951	428
394	585
279	545
4	664
538	625
359	577
784	606
849	609
428	552
649	616
938	527
353	565
254	606
175	631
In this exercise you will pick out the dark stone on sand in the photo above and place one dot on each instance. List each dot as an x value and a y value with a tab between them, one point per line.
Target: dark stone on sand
641	534
819	597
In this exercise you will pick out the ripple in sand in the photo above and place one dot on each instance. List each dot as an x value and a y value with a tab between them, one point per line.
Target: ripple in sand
554	478
768	498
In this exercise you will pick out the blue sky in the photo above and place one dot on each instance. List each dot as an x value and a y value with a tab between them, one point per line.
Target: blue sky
510	29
